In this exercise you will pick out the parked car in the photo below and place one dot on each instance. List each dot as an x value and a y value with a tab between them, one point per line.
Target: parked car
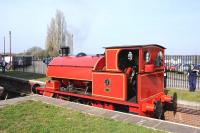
173	68
183	68
7	66
167	66
1	63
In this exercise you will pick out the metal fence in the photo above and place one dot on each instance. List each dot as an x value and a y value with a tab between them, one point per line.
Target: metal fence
176	65
37	67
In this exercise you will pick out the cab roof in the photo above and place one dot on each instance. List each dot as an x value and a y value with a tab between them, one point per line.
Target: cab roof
133	46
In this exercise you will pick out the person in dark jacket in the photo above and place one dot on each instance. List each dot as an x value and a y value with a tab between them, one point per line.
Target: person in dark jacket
3	66
192	78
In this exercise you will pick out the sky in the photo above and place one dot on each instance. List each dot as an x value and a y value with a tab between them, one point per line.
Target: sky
174	24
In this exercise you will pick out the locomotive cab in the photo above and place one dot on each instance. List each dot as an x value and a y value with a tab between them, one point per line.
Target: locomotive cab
128	63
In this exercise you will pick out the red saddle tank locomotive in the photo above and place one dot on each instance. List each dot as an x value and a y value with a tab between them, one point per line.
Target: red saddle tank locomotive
125	78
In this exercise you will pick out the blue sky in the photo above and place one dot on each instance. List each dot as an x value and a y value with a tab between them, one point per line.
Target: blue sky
99	23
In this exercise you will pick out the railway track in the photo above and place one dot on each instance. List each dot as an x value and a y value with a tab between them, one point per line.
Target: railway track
188	111
185	115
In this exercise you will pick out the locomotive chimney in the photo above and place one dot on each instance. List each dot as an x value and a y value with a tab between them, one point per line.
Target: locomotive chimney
64	51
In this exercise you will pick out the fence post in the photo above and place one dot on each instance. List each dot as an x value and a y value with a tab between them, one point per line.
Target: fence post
23	62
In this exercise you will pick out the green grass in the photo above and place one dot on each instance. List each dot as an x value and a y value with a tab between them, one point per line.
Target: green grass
38	117
185	94
25	75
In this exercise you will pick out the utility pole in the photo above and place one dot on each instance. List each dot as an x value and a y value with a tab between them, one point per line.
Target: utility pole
4	63
10	46
4	46
72	44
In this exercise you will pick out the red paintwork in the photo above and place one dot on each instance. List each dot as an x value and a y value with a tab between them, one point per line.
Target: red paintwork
89	97
105	106
53	84
48	94
147	107
71	67
83	61
151	84
109	83
134	109
97	104
149	68
115	90
166	98
109	106
111	60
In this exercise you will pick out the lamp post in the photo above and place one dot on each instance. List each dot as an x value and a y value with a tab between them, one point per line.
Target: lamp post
4	48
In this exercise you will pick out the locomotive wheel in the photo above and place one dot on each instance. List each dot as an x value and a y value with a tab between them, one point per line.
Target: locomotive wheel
174	102
2	93
158	110
33	89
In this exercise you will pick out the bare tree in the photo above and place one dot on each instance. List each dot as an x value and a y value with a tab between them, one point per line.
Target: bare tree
36	52
57	35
